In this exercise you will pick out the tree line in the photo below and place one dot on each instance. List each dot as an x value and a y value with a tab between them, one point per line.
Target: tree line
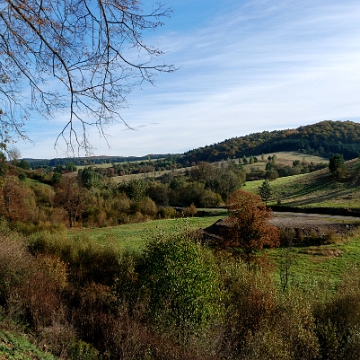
47	197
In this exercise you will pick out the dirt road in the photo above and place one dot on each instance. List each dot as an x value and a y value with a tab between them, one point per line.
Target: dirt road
306	221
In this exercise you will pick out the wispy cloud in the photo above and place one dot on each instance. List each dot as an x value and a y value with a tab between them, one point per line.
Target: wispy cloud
244	67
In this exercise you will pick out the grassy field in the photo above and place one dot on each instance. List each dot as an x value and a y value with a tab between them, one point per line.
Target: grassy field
285	158
154	174
288	157
323	265
133	237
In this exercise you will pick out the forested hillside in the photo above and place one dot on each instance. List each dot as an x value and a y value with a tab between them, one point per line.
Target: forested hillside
323	139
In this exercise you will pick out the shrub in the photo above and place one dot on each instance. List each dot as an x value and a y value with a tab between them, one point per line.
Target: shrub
15	266
337	166
167	213
22	177
190	211
181	282
250	299
148	207
259	322
80	350
210	199
265	191
87	260
338	320
40	298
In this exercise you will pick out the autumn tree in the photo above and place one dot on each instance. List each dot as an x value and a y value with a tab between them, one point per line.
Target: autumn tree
17	201
135	189
72	198
78	56
202	172
248	226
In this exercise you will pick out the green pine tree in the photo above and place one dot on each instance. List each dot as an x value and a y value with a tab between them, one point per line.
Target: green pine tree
265	191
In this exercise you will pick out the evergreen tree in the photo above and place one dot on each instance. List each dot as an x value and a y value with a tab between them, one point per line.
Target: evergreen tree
265	191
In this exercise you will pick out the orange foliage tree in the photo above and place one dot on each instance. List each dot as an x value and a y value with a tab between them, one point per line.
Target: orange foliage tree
248	226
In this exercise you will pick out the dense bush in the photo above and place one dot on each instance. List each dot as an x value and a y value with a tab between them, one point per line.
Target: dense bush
181	283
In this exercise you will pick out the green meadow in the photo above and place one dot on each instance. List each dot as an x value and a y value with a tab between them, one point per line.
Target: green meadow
133	237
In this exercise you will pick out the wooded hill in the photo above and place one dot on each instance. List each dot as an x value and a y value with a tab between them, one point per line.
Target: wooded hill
325	139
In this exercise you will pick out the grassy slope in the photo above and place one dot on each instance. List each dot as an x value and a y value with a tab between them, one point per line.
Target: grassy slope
317	189
15	347
326	263
285	158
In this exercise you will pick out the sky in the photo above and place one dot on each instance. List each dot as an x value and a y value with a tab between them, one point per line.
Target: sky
242	67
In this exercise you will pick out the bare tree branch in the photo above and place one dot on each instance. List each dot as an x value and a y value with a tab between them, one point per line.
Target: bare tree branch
80	56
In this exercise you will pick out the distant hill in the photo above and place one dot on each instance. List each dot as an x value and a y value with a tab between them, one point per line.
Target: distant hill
322	139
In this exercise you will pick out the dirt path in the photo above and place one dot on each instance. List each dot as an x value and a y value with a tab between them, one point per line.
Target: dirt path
306	221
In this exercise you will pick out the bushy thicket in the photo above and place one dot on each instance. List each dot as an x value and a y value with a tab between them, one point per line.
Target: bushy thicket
175	300
91	199
61	198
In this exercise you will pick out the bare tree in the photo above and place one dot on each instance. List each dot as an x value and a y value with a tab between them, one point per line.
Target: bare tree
81	56
13	154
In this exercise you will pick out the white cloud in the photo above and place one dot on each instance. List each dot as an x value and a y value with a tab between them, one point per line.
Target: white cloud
263	65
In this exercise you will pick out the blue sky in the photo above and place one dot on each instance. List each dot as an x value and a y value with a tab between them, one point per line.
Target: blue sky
243	67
